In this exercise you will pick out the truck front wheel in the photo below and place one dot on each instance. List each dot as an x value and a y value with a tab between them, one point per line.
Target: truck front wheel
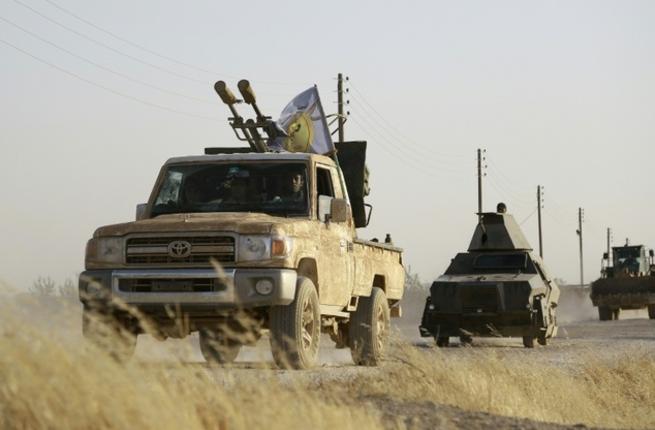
369	329
296	328
216	347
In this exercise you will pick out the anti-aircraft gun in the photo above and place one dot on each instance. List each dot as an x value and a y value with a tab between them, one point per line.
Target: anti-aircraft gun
263	134
627	282
499	288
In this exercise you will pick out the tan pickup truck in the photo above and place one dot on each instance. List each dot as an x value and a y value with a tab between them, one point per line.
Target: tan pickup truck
233	245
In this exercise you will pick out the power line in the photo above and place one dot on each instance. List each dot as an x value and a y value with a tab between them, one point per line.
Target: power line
419	167
105	68
99	43
110	90
528	217
411	150
402	149
395	130
155	53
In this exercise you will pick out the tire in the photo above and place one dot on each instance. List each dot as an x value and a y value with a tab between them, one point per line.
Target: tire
109	334
528	341
216	348
369	329
442	341
651	312
604	313
465	340
296	329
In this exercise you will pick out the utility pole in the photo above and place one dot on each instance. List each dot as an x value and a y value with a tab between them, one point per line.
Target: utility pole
579	232
539	207
609	245
340	117
479	185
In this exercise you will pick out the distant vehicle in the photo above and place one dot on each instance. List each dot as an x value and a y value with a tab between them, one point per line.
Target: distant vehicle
497	288
628	283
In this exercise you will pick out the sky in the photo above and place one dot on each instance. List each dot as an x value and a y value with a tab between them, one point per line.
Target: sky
95	96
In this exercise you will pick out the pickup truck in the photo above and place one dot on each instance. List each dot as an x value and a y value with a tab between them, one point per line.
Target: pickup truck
234	245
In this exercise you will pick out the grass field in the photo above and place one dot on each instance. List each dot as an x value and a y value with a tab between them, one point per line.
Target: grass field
50	379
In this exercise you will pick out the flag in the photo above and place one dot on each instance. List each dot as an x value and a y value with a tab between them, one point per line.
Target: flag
303	121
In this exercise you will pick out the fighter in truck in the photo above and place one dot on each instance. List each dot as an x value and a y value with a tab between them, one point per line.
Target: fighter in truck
240	242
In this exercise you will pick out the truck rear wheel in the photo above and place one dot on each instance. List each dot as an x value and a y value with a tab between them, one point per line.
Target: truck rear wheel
369	329
651	312
217	348
616	313
296	329
604	313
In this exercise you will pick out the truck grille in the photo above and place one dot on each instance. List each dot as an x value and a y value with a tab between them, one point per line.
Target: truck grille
187	285
203	249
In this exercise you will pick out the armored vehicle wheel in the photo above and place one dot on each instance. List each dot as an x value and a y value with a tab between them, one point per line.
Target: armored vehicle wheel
109	334
616	313
466	340
442	341
651	312
604	313
296	328
542	339
369	329
528	341
216	348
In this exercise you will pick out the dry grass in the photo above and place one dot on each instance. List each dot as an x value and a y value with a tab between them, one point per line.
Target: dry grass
609	394
50	381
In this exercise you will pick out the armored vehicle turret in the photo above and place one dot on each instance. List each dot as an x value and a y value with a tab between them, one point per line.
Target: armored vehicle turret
498	288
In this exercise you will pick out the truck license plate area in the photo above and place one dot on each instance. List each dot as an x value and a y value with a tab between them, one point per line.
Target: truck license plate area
192	285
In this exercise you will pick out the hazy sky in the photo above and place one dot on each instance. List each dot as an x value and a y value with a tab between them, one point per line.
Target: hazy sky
559	93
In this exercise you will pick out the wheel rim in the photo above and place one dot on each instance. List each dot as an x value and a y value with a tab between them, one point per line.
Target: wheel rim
381	325
308	324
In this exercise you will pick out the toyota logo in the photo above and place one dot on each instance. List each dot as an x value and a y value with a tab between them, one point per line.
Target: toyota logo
179	249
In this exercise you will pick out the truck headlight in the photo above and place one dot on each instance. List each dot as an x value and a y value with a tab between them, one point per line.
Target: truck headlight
105	250
254	248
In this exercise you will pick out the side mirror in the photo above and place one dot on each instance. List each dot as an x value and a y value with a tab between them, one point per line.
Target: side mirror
606	256
339	210
651	253
141	211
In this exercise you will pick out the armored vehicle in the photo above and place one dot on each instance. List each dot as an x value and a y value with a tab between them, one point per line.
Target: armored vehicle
628	283
497	288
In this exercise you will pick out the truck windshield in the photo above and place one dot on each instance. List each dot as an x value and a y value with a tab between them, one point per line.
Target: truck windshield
278	189
627	258
500	261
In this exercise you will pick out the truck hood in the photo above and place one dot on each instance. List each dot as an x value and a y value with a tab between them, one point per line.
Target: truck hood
237	222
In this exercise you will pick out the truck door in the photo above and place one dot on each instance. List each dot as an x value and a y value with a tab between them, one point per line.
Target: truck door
335	262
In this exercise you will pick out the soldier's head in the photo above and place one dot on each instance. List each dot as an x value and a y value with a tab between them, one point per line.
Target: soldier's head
297	182
501	208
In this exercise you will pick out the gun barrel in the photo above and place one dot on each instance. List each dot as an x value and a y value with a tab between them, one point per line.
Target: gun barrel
224	93
247	92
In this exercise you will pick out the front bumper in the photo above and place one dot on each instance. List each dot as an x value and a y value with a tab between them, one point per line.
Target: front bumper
235	287
492	324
